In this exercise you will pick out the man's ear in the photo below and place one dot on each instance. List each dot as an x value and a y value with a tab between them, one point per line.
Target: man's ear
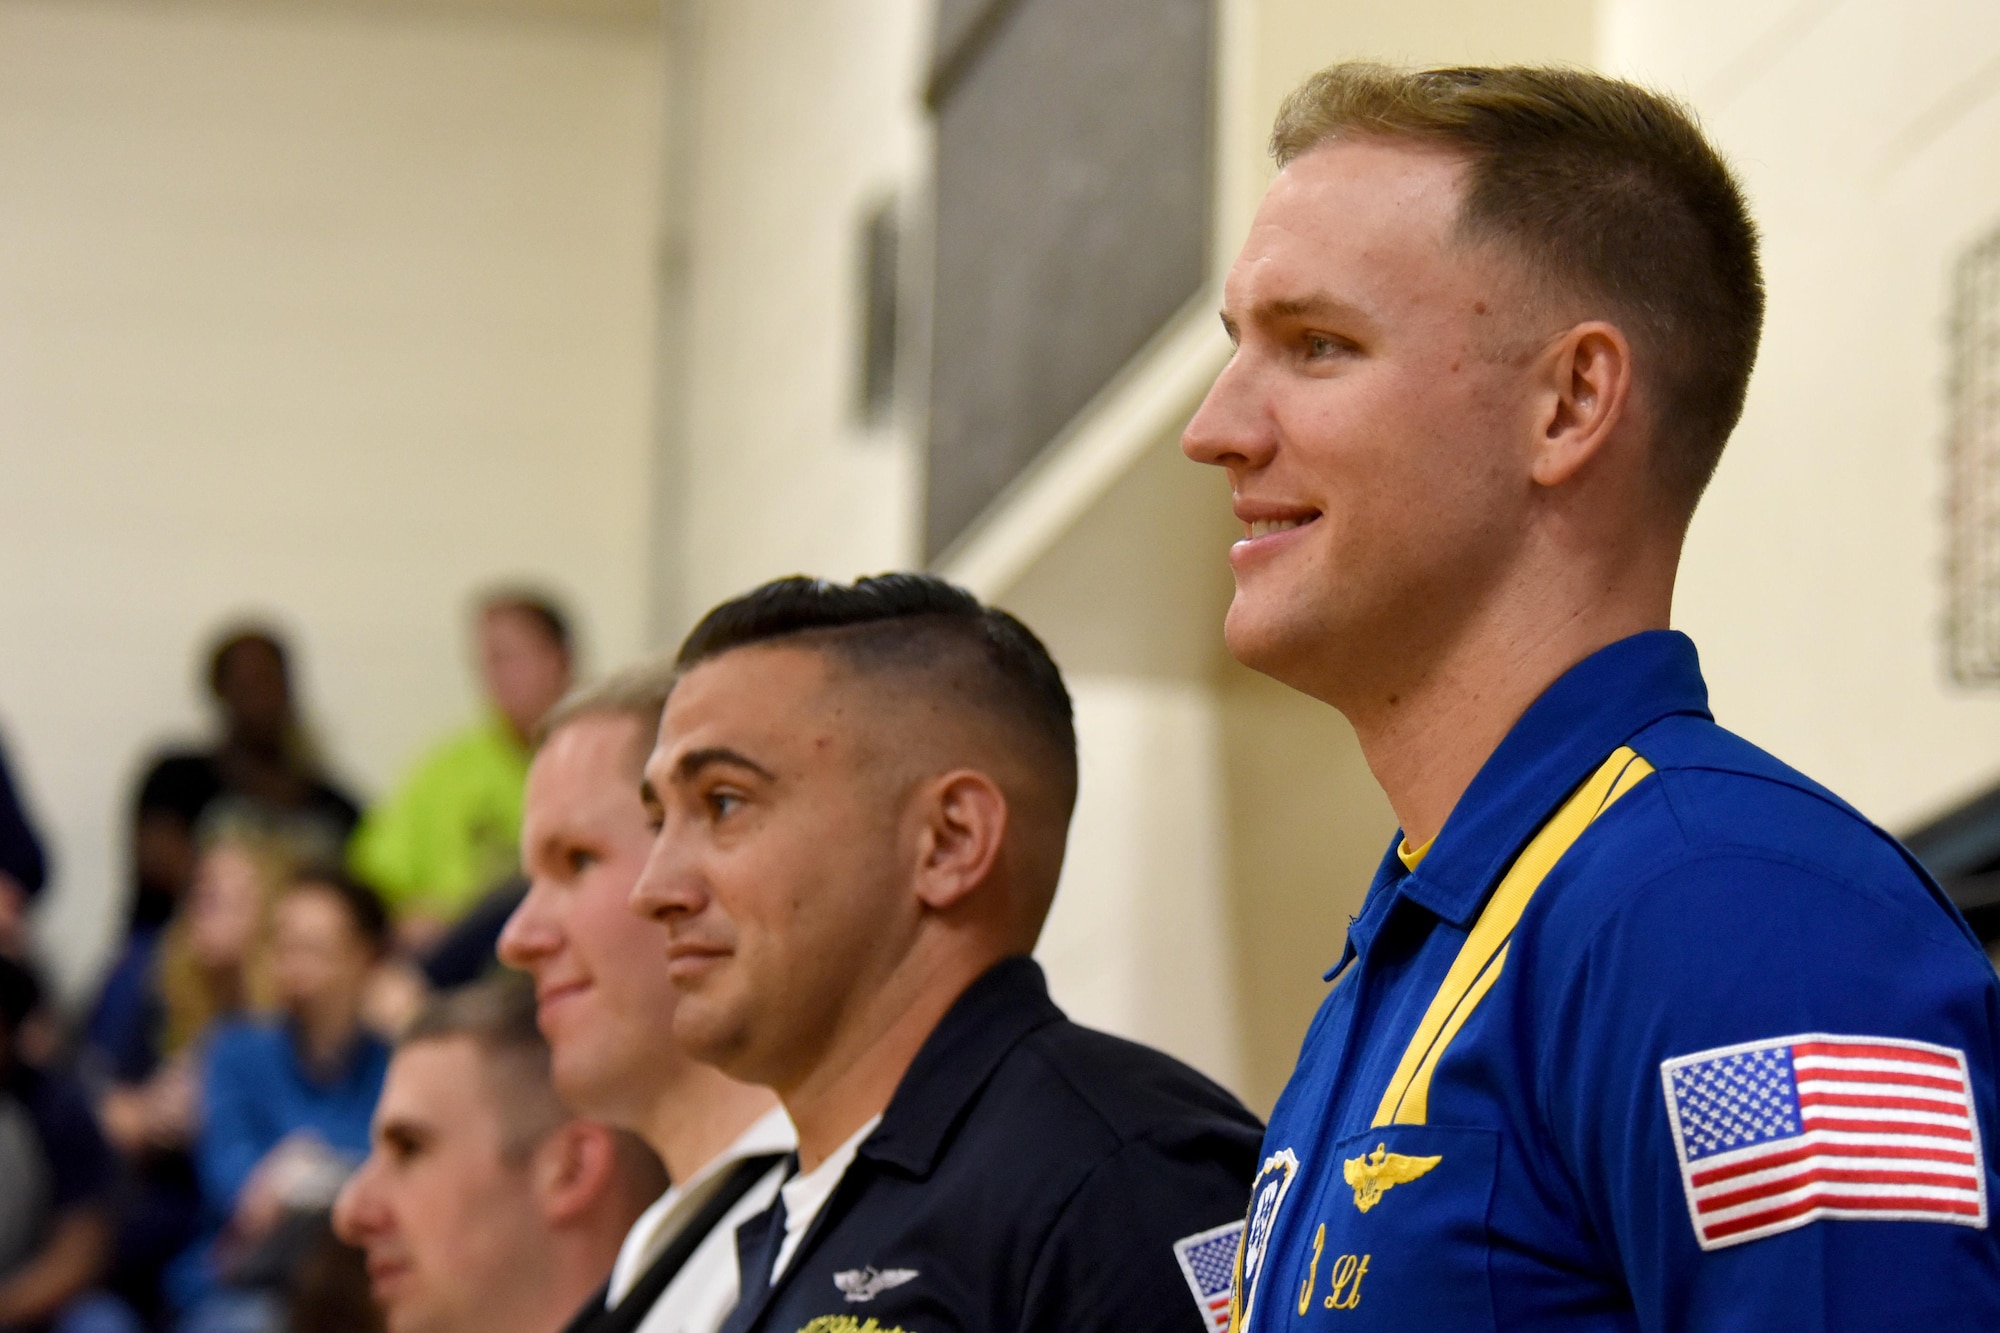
964	815
1586	394
573	1168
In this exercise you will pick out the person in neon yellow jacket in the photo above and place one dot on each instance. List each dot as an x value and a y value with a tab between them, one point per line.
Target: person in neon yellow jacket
451	831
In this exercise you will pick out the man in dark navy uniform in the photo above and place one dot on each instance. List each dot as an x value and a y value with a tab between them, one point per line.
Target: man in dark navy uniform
1637	1028
863	795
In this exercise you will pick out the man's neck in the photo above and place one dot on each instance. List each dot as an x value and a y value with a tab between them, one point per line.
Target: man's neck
1426	736
544	1291
699	1117
861	1069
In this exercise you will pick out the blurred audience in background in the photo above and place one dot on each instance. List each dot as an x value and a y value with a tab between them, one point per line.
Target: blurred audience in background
171	1165
485	1206
213	966
262	771
286	1103
57	1212
448	837
261	776
24	866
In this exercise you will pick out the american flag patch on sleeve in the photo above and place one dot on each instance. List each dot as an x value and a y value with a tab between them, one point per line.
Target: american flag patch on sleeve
1208	1262
1775	1134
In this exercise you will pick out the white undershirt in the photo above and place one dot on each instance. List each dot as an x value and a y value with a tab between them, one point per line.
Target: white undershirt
805	1195
703	1293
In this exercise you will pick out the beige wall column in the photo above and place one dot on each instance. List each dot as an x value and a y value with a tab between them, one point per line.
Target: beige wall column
1129	599
1139	942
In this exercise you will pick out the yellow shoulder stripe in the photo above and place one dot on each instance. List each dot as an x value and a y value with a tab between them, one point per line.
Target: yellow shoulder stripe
1484	953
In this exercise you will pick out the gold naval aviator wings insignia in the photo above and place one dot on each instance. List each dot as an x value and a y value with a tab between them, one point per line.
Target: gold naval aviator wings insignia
1374	1174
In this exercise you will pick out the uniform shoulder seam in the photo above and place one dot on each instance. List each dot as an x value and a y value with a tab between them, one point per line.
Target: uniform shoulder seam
1695	854
1082	1094
1804	786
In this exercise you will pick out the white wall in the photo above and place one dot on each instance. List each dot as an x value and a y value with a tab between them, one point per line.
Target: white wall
1868	134
327	314
806	116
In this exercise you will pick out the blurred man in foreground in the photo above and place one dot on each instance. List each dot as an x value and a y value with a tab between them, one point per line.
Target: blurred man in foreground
863	796
606	1005
1637	1028
485	1206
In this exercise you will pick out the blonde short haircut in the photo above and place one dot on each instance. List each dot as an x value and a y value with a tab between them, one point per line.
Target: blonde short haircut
1611	196
638	692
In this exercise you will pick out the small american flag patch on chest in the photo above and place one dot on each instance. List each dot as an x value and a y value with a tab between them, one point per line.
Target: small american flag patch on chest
1775	1134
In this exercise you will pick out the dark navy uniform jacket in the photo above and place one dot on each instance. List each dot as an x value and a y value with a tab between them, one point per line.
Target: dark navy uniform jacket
1727	1065
1029	1174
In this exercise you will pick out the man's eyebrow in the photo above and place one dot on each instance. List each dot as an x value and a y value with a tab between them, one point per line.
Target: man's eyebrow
694	761
1305	307
403	1132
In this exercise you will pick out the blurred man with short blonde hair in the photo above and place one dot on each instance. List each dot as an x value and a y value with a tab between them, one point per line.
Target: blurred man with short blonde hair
606	1004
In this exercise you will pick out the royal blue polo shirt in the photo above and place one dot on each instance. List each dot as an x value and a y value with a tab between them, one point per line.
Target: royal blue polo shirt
1728	1064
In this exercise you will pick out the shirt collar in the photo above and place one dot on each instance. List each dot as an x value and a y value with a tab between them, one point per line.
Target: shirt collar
1593	708
656	1228
981	1027
806	1193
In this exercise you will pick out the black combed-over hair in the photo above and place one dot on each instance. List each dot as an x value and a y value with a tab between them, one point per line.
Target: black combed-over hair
902	622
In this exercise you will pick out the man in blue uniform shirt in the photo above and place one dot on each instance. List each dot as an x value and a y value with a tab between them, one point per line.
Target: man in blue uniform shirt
1637	1028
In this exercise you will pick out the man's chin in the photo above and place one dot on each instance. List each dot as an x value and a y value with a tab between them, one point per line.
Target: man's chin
712	1032
1256	636
587	1082
402	1315
420	1321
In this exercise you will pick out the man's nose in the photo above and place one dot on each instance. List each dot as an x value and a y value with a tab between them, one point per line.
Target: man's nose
355	1208
1232	428
668	888
530	933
